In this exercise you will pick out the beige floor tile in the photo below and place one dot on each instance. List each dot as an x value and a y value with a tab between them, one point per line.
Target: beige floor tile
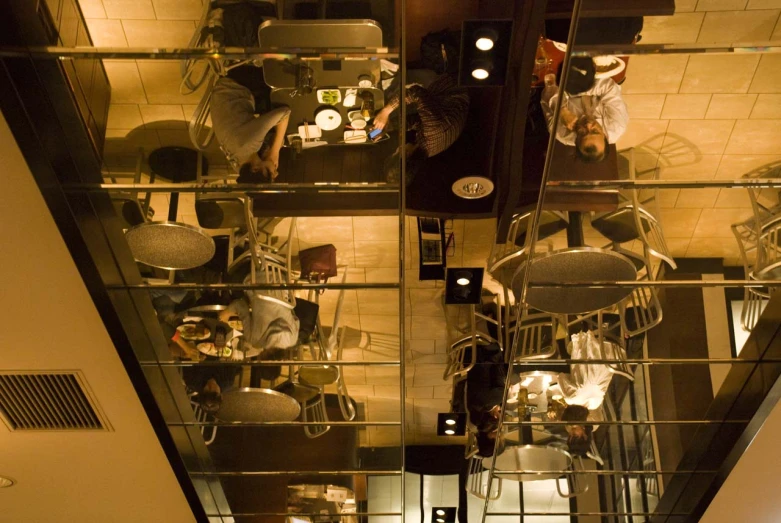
383	375
678	246
679	223
667	198
126	142
685	106
329	301
129	9
412	282
644	105
377	254
685	6
763	4
427	302
715	223
738	26
380	324
443	392
161	82
654	74
163	116
126	86
697	198
698	167
381	275
733	199
106	33
382	415
644	163
92	9
755	137
124	116
713	248
646	135
768	75
431	359
376	228
730	106
721	5
706	73
479	231
179	138
428	375
420	392
422	346
428	328
475	254
734	166
334	229
378	301
178	9
680	28
768	106
776	32
354	375
158	33
707	136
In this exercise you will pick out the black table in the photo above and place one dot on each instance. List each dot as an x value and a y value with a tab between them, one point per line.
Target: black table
580	264
176	165
302	108
170	245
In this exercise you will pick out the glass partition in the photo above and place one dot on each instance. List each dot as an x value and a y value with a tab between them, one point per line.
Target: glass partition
642	245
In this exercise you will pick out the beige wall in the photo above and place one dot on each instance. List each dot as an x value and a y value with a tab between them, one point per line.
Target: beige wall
751	490
50	323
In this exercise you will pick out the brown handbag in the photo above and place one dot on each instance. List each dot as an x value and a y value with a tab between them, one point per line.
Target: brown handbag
318	263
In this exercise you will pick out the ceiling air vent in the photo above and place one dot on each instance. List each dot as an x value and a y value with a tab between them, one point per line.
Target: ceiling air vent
48	401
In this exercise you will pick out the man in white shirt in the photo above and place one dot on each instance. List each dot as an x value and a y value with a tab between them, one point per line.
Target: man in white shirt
594	114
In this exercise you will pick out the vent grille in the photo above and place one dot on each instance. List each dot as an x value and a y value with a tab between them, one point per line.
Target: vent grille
48	401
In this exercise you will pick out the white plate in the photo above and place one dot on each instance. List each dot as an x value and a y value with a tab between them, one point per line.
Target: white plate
321	92
612	72
209	349
328	119
561	47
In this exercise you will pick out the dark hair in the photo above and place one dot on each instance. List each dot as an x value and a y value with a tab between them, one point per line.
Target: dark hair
392	166
487	446
578	445
487	422
245	173
209	400
590	154
272	372
582	71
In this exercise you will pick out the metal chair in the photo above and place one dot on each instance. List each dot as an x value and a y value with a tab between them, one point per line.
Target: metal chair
613	334
462	355
633	220
753	298
201	416
129	208
534	337
574	487
641	310
506	257
315	411
477	481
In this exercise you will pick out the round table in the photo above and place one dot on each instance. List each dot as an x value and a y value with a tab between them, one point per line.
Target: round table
252	404
579	264
170	245
549	460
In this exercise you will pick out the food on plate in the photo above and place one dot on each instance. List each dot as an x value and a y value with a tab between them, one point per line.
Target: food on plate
607	63
193	331
236	324
210	349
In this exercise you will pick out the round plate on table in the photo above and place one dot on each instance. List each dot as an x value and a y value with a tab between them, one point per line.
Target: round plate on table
170	245
188	331
209	349
257	405
579	264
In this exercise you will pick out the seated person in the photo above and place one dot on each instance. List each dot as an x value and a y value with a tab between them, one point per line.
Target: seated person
209	382
580	433
586	384
485	390
594	114
240	132
436	116
269	327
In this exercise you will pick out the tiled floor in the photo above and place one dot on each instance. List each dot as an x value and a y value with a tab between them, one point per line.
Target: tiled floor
699	116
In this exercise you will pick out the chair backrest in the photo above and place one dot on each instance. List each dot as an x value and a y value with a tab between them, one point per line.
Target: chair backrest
314	411
768	250
641	310
478	479
534	337
462	355
209	433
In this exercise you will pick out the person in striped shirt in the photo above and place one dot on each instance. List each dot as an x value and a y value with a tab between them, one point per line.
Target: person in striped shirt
436	115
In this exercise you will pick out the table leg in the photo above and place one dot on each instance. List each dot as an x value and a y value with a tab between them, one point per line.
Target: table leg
575	229
173	207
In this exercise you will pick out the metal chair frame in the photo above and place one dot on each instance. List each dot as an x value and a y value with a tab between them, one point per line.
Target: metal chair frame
644	302
135	177
477	483
528	337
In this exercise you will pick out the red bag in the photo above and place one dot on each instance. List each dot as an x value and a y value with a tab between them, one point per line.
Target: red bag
318	263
